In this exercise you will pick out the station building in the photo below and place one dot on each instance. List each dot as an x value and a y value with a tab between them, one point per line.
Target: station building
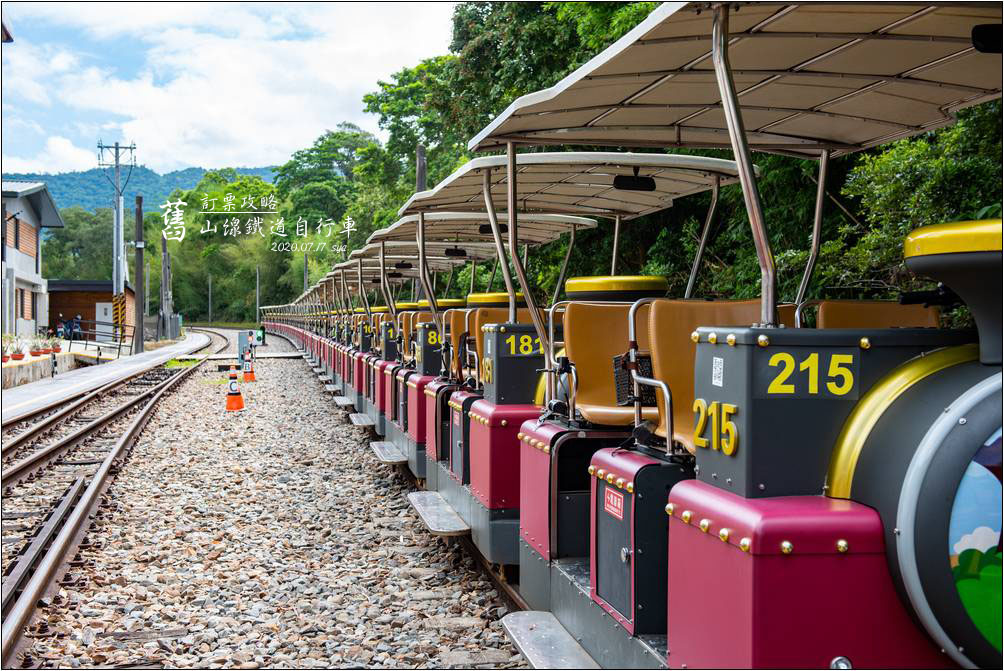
28	208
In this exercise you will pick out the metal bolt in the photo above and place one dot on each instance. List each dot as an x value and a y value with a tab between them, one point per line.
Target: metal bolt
762	340
787	548
842	546
695	336
962	420
731	339
712	338
761	487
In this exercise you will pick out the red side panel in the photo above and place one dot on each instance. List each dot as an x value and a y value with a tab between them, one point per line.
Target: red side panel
536	483
416	406
764	608
495	460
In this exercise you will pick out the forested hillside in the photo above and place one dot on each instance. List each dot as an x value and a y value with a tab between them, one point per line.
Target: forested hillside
499	52
90	189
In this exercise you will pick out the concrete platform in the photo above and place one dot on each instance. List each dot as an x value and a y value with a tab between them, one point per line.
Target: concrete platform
27	397
233	357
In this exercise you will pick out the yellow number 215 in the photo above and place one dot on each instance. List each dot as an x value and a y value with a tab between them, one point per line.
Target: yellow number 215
724	432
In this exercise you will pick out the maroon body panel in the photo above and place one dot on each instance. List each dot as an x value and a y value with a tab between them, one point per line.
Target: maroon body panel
416	405
793	598
431	423
536	484
495	458
358	371
381	384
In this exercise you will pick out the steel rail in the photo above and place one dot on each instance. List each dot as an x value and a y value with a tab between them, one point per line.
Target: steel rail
48	566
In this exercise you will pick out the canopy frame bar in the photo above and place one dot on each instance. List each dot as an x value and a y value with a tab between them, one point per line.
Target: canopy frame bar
499	247
817	228
703	243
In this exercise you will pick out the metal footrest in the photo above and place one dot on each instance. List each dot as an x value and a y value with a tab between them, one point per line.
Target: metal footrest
544	642
438	515
388	453
343	402
331	388
326	379
361	419
318	370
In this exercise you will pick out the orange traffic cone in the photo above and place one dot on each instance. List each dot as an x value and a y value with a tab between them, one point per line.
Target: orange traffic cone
248	368
234	399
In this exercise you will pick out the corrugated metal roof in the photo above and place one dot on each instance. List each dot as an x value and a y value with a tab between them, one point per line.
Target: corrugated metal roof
37	194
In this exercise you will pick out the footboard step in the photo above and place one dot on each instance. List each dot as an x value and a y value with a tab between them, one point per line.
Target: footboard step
343	402
331	388
544	642
318	370
361	419
326	379
438	515
388	453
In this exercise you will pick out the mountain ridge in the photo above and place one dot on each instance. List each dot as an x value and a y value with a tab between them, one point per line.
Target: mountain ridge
90	189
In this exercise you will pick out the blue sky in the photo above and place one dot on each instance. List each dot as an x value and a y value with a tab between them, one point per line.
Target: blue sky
198	84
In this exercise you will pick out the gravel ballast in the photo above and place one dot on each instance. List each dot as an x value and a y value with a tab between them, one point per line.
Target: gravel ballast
267	538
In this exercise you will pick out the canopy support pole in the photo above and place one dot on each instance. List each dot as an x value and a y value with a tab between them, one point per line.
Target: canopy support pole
474	272
384	283
491	280
705	233
362	287
817	227
747	176
423	274
500	259
449	282
531	304
617	241
564	265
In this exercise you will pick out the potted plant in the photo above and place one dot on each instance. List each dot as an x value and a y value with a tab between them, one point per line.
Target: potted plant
56	344
6	345
17	348
45	347
35	346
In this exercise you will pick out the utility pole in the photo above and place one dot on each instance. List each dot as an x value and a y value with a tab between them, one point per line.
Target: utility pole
210	299
305	272
138	310
257	293
146	293
120	269
166	296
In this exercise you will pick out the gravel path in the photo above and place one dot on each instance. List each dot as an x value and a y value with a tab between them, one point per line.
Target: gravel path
269	537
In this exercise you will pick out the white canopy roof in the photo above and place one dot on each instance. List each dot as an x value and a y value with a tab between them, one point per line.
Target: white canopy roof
812	76
396	250
576	183
467	227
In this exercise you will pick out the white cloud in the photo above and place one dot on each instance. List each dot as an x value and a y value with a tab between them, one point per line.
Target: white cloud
228	84
982	538
59	155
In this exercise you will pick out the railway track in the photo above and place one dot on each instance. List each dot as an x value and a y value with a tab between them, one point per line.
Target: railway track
51	490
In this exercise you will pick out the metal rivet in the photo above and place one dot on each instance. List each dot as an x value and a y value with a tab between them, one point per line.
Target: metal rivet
842	546
724	535
547	449
686	515
601	473
670	508
962	420
501	329
712	338
761	487
620	483
865	343
630	488
591	470
695	336
762	340
744	544
705	524
787	548
731	339
519	436
610	478
505	422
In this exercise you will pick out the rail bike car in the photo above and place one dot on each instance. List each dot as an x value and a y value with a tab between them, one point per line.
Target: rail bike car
457	236
511	351
829	463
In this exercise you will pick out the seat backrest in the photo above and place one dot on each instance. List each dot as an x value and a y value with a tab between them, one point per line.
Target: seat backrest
594	335
406	322
483	316
457	321
673	352
874	315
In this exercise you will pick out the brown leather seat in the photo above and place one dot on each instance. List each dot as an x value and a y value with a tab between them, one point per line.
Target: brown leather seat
833	314
673	352
594	335
457	320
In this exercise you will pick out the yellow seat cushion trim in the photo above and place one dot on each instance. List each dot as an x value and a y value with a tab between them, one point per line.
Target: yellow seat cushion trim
444	303
617	283
494	297
954	237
